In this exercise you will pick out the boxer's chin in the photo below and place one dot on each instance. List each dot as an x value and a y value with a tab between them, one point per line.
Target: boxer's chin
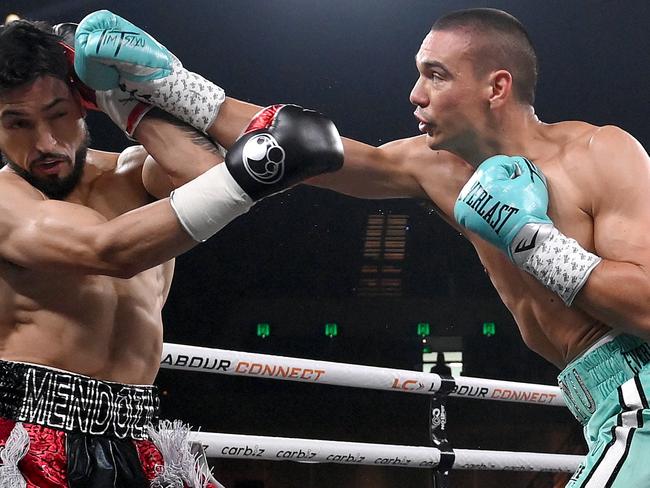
435	141
54	186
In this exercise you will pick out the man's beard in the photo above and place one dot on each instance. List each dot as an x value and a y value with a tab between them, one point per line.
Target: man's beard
55	188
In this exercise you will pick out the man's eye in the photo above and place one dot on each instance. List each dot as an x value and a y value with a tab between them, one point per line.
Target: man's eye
18	124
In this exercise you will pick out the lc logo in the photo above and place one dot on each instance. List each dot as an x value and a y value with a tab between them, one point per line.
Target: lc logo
407	385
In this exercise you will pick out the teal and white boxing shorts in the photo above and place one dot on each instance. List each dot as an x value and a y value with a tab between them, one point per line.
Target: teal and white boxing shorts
607	389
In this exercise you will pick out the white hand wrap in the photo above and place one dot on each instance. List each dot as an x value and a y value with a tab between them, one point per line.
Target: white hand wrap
561	264
209	202
186	95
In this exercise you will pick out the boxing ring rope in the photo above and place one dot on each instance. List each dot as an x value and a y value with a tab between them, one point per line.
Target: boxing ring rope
356	453
237	363
222	361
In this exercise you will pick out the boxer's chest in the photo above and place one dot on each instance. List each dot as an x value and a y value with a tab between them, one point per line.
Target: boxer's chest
113	195
569	203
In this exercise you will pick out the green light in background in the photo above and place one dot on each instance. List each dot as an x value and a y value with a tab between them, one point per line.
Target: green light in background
331	329
489	329
263	330
424	329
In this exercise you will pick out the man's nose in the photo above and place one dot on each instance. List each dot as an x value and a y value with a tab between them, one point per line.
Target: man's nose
418	96
45	139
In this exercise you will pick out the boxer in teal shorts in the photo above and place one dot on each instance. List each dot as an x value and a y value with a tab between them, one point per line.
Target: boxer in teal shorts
606	386
607	390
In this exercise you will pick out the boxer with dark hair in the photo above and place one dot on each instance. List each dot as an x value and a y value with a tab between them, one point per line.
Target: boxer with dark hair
86	260
560	227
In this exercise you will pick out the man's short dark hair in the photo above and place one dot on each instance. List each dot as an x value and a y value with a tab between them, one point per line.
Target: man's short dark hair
506	45
29	50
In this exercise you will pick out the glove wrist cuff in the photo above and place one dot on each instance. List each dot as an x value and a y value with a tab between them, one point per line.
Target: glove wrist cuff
184	94
560	264
527	240
125	111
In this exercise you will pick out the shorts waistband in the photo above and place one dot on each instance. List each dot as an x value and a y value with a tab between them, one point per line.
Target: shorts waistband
592	377
75	403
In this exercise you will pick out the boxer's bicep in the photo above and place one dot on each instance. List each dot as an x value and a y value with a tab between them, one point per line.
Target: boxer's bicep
621	197
618	289
47	235
56	236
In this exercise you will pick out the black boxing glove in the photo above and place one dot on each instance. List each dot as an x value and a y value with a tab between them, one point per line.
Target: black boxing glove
282	146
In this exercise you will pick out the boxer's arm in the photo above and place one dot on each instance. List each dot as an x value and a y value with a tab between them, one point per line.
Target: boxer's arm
148	71
233	117
618	289
52	235
398	169
405	168
182	155
178	153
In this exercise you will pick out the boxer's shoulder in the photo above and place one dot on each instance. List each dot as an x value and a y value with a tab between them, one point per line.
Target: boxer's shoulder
606	149
570	134
609	140
589	150
117	178
582	136
129	160
595	162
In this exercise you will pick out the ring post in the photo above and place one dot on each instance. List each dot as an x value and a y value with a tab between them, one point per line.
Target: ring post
438	432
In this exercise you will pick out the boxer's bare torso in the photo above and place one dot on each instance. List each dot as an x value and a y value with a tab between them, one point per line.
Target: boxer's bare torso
566	154
81	280
103	326
570	156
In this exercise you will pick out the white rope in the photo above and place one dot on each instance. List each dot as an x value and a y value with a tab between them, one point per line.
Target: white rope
222	361
320	451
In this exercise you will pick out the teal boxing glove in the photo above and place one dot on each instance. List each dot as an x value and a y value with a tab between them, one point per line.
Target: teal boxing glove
126	112
505	202
502	196
111	52
109	46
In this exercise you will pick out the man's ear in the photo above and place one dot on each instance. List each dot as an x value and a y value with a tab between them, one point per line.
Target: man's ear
501	87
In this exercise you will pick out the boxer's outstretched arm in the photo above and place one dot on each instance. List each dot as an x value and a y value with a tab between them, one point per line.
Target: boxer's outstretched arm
149	72
618	289
405	168
368	172
232	119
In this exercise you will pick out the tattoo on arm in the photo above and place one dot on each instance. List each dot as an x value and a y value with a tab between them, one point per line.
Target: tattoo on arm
193	135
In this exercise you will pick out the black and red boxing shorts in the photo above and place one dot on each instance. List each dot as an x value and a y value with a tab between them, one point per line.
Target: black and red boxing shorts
82	432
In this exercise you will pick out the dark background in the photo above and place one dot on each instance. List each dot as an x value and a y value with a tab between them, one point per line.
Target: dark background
295	260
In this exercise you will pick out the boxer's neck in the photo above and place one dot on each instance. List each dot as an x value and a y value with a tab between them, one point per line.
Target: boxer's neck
509	132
